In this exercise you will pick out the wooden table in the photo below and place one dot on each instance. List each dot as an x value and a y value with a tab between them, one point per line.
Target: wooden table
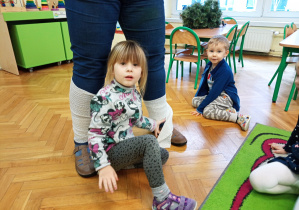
290	44
207	33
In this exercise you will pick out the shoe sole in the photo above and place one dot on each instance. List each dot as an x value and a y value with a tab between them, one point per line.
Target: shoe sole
193	209
88	175
179	144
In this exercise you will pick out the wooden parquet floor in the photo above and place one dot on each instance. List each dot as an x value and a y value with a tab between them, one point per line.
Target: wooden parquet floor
36	160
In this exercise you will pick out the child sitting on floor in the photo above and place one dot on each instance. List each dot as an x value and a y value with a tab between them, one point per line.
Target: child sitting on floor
217	97
115	109
281	174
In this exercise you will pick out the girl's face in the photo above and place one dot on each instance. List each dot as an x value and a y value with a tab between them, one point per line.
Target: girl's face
127	73
216	53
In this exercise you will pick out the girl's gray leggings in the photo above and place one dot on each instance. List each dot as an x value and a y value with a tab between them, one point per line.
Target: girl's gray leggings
140	151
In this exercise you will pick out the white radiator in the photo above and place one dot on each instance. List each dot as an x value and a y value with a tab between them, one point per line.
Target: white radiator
257	40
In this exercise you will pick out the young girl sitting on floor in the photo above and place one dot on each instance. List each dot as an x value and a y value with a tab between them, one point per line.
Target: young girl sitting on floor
115	109
281	174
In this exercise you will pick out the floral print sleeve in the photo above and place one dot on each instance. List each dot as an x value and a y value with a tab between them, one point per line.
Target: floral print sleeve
98	138
146	123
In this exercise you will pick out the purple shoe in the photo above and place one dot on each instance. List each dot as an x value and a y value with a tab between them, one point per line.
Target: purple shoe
174	202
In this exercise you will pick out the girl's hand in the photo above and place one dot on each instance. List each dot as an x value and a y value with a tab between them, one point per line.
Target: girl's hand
157	130
108	177
196	113
278	148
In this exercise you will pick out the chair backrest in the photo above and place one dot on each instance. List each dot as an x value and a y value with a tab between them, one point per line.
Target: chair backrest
229	20
294	27
168	25
242	32
287	31
184	35
231	34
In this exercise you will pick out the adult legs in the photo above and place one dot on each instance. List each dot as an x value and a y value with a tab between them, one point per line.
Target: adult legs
274	178
144	22
91	27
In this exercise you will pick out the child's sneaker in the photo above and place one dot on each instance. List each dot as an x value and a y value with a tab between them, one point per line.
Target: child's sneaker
174	202
243	121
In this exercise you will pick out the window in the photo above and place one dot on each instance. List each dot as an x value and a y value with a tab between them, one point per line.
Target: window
281	8
252	8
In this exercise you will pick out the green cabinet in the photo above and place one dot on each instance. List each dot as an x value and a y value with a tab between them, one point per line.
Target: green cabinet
36	38
66	40
37	44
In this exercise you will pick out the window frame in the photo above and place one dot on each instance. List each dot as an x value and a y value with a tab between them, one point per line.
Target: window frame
262	10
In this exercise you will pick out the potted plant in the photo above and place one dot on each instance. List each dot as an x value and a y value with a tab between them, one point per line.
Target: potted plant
198	16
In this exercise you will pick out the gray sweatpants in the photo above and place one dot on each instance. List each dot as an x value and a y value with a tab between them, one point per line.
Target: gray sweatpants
140	151
219	109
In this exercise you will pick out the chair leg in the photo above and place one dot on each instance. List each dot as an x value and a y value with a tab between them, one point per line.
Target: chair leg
275	74
290	97
295	95
177	68
169	68
172	61
197	72
234	60
182	69
229	61
190	67
206	60
241	52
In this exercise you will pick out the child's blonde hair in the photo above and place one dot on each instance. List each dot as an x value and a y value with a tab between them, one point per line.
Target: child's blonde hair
219	39
127	51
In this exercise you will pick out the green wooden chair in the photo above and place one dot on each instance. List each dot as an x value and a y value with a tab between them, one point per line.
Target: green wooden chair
241	34
229	20
291	58
185	36
177	51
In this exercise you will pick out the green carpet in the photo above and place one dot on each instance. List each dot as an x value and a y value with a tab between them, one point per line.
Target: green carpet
233	189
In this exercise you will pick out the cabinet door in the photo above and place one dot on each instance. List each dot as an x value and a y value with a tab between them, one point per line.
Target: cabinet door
66	40
37	43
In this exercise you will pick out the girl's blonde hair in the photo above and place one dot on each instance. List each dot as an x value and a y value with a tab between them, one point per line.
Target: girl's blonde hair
127	51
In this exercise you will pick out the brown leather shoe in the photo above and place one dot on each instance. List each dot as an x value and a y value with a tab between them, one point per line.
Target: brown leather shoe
83	163
178	139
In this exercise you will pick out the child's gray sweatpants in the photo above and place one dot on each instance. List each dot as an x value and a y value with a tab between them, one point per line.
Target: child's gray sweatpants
219	109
